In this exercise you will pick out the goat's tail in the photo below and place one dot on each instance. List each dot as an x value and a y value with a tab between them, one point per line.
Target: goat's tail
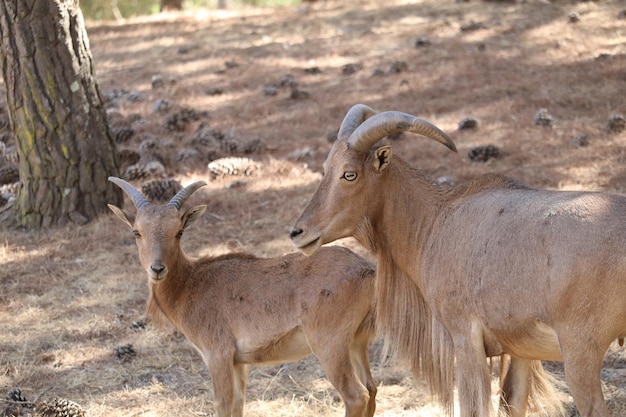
411	333
545	396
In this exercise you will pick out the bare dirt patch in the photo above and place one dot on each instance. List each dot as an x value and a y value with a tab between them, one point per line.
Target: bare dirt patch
270	86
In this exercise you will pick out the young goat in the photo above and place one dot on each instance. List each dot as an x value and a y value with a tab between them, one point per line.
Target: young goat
238	310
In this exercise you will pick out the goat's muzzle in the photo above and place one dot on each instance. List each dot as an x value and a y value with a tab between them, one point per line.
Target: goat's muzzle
157	272
306	244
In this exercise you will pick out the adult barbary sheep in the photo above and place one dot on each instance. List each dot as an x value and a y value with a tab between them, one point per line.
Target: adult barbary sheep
500	268
238	310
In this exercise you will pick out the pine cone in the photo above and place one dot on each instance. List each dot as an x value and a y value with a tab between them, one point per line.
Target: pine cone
232	166
468	123
123	134
229	145
161	190
125	352
128	157
349	69
149	146
397	67
155	168
9	174
288	81
254	146
207	136
15	395
138	325
59	407
616	123
483	153
135	172
188	154
178	121
141	170
543	118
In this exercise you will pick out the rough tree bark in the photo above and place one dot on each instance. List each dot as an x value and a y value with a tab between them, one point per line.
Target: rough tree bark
65	146
171	5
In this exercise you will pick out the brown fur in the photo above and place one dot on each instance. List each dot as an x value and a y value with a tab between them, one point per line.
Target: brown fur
505	269
239	310
481	184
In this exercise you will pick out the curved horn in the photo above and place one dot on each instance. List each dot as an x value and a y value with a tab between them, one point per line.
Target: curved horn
138	199
382	124
179	199
355	116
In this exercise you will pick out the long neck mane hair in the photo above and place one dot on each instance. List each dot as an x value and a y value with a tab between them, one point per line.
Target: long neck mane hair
407	319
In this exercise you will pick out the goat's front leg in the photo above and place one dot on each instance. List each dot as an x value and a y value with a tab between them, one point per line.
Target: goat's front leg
240	381
223	376
473	381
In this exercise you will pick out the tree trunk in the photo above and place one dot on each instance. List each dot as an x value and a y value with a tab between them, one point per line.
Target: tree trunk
171	5
65	147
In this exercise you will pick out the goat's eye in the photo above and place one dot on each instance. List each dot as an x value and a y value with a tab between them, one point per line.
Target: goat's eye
349	176
136	233
179	234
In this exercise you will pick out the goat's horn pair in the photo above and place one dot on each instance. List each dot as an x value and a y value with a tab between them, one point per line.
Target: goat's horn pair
140	201
179	199
364	128
135	195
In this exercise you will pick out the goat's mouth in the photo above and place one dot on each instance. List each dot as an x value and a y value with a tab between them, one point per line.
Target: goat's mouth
309	247
156	278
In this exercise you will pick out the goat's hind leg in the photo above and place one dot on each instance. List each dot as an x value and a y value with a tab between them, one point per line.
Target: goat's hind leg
336	363
516	387
359	355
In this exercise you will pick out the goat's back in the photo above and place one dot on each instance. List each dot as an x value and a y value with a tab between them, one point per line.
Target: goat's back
260	298
542	254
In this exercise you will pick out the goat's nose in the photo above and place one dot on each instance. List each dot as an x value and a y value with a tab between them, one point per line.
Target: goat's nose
294	232
157	268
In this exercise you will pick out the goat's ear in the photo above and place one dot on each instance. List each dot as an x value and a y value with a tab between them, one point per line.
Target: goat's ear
192	215
127	217
382	156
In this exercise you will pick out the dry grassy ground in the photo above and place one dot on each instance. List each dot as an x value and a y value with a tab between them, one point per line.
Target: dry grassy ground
271	85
